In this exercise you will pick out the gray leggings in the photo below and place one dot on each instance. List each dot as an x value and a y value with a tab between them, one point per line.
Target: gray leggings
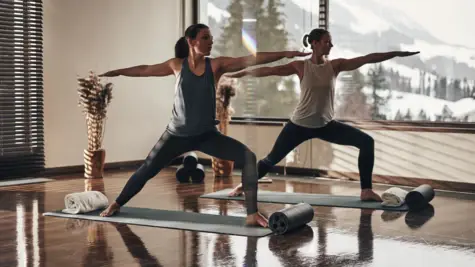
212	143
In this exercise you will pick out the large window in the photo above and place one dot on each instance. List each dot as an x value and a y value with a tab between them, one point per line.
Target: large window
21	88
436	85
242	27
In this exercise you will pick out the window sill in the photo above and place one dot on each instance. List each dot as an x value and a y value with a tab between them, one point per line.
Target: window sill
406	126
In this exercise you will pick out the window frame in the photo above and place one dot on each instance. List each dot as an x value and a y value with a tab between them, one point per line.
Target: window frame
388	125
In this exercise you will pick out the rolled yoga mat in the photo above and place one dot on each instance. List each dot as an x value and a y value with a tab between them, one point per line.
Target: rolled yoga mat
291	218
182	174
198	174
181	220
190	160
420	197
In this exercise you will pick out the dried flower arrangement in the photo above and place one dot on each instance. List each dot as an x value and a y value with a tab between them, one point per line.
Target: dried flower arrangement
94	97
226	90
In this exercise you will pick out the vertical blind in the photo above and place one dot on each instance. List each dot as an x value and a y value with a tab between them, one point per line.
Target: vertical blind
323	14
21	88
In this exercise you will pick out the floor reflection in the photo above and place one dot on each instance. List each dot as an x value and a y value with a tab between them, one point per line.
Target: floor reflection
336	236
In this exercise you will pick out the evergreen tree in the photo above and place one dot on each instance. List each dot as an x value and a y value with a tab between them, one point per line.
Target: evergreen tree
272	36
398	116
408	116
466	88
268	32
442	92
353	102
377	81
229	43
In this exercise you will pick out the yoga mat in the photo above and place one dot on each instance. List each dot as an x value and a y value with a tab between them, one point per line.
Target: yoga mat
24	181
175	220
312	199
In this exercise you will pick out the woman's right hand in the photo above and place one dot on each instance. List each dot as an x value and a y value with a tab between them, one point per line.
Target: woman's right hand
111	73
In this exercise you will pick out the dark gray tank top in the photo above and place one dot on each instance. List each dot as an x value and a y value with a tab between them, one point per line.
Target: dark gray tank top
194	107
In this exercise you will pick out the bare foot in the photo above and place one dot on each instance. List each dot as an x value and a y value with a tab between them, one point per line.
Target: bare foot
257	219
237	191
370	195
111	210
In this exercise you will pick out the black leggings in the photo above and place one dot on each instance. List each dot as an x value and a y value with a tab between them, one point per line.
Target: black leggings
212	143
334	132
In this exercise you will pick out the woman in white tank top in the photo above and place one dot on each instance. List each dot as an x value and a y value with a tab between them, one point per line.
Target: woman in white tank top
314	115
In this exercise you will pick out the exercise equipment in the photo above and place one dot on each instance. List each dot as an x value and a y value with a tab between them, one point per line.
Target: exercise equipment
327	200
198	174
291	218
190	171
420	197
183	220
190	160
195	175
182	174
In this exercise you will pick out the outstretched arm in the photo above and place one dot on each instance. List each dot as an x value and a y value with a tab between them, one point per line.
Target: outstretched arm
342	64
162	69
232	64
282	70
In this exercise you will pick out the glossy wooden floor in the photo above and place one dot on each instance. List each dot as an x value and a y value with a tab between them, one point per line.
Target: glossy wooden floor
442	236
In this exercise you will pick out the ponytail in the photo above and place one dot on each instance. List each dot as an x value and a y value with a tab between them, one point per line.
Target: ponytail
314	35
305	40
181	48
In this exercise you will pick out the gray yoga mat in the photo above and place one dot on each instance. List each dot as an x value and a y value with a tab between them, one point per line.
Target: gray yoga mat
312	199
24	181
174	219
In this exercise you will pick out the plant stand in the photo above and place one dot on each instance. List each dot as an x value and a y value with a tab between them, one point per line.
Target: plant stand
94	163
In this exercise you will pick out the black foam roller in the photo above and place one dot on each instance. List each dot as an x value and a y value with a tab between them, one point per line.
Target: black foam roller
182	174
190	160
291	218
198	174
420	197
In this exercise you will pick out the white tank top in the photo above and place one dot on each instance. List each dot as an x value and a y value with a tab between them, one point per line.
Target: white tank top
317	92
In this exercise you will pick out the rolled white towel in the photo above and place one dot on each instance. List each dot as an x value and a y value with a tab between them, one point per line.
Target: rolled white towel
394	197
84	202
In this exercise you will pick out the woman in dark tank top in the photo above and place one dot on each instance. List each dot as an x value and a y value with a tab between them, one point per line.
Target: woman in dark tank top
192	126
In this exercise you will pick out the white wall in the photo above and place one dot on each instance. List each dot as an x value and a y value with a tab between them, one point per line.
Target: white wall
85	35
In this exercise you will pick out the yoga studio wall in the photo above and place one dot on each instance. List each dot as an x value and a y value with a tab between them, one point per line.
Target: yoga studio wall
80	36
